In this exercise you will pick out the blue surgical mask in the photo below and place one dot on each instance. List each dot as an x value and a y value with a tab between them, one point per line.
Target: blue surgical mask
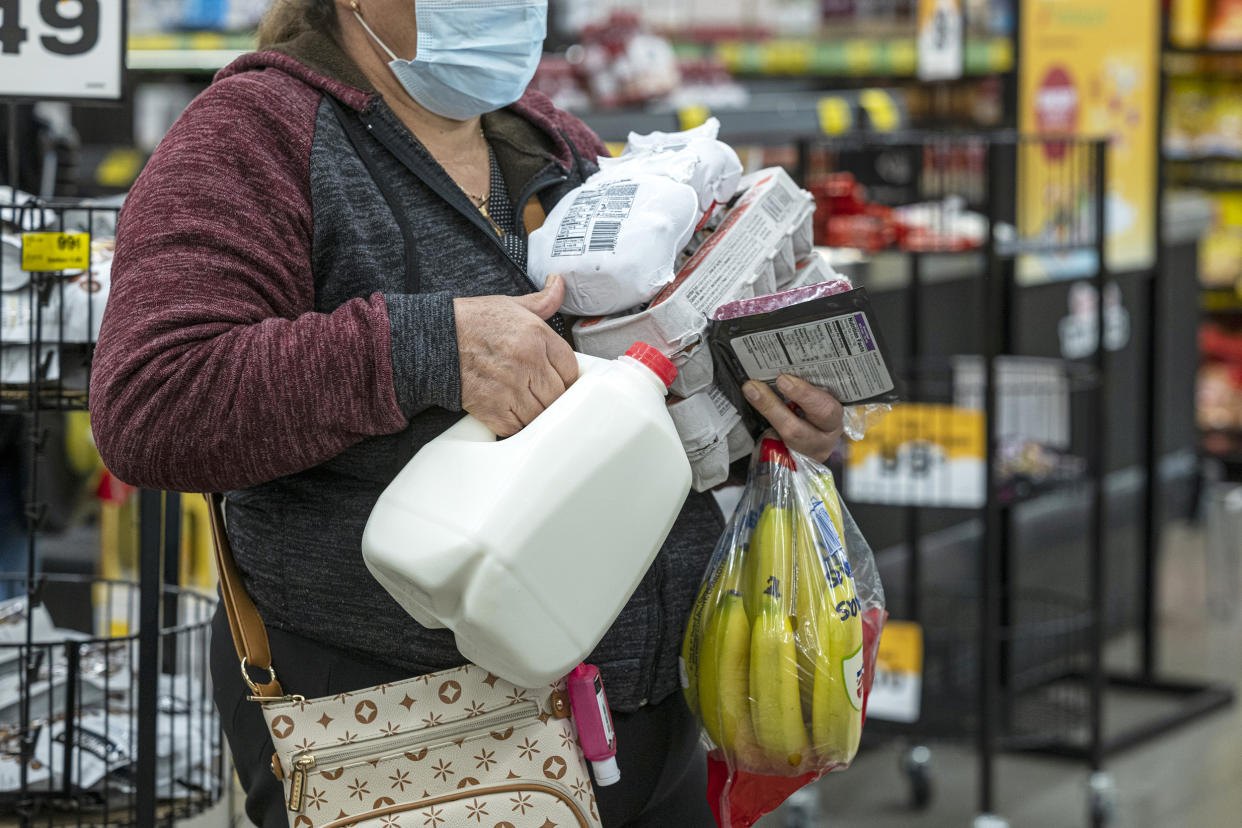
474	56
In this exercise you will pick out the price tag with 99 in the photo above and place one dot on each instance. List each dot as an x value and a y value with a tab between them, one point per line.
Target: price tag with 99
62	49
897	690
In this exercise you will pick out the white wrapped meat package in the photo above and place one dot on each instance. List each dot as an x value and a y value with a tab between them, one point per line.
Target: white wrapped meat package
693	157
614	240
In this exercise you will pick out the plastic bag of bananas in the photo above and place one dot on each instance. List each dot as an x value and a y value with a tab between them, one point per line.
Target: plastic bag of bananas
779	651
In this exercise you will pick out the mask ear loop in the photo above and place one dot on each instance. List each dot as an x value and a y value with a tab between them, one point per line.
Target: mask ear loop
357	10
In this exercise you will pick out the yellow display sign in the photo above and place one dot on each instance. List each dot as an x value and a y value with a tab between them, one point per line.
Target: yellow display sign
901	648
920	454
56	251
835	115
688	117
896	692
956	432
1088	68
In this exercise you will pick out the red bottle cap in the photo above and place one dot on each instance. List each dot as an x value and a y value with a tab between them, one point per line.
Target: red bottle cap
659	364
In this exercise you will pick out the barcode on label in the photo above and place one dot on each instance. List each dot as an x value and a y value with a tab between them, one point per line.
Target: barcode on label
604	236
775	203
594	220
839	354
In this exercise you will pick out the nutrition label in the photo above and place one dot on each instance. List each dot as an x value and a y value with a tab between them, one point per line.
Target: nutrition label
839	354
593	222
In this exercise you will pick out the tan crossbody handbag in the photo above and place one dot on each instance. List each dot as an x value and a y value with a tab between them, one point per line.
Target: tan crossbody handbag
453	748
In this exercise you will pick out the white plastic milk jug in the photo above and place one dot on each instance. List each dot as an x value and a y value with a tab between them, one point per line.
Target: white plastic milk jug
528	548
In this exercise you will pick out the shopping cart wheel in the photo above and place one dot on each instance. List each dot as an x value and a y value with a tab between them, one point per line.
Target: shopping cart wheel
1102	798
917	766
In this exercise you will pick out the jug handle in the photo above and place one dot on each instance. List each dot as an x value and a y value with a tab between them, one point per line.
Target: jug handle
469	429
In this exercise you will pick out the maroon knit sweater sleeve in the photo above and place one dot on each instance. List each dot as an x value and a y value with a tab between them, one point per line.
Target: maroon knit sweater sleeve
213	372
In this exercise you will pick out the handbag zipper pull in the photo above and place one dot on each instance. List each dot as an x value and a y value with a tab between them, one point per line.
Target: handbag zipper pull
297	784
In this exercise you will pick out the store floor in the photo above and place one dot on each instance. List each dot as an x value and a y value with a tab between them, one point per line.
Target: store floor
1191	778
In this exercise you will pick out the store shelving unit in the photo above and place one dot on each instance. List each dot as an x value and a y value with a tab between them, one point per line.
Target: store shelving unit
129	686
1212	172
188	52
872	57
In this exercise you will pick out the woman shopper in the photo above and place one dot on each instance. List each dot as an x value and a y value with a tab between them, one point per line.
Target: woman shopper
320	268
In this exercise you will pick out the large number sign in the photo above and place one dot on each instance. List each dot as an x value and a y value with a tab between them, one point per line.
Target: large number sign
62	49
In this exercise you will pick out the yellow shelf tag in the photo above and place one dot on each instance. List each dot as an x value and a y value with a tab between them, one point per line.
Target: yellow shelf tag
861	57
835	115
694	115
56	251
881	108
901	648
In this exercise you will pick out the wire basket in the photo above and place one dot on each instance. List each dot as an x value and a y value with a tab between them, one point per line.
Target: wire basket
1047	641
920	478
81	709
931	449
49	319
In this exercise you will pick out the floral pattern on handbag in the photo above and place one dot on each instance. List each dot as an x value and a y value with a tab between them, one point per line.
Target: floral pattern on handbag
455	748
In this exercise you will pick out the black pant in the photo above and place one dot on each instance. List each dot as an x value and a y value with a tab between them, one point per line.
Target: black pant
663	771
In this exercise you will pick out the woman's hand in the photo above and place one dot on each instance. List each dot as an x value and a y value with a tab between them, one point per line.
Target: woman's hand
513	365
818	434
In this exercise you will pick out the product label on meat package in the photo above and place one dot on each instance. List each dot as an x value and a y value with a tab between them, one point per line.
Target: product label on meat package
728	414
839	353
735	250
594	221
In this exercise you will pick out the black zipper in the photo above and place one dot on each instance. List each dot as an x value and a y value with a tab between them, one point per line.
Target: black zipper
533	187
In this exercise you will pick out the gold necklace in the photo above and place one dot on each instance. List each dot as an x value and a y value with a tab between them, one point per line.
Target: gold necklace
481	202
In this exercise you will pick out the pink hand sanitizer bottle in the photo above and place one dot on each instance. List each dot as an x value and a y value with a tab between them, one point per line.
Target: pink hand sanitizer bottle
594	722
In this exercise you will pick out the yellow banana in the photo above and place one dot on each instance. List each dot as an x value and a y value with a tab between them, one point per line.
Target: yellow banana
775	703
836	714
690	643
723	677
751	588
810	589
825	488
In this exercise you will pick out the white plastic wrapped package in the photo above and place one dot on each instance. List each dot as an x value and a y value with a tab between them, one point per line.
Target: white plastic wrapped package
614	240
657	141
693	157
73	312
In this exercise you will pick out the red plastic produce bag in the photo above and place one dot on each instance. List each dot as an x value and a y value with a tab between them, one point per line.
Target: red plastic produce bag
780	648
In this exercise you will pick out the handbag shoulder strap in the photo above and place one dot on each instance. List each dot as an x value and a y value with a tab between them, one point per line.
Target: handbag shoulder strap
249	634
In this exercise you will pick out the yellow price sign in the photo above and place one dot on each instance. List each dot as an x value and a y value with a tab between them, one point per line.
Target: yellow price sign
901	648
693	115
835	115
897	690
56	251
881	108
861	56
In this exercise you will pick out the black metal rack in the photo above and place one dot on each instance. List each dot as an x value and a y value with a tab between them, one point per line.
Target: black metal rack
114	727
1036	656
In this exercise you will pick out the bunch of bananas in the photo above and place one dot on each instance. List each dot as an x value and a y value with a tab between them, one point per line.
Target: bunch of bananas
773	652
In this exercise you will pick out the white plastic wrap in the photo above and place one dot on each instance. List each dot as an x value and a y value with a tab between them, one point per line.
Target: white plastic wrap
614	240
693	157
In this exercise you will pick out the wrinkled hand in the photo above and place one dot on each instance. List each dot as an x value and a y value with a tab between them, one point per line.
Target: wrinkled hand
513	365
816	435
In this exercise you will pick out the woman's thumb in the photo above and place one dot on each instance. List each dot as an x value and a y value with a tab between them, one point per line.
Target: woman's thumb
547	301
